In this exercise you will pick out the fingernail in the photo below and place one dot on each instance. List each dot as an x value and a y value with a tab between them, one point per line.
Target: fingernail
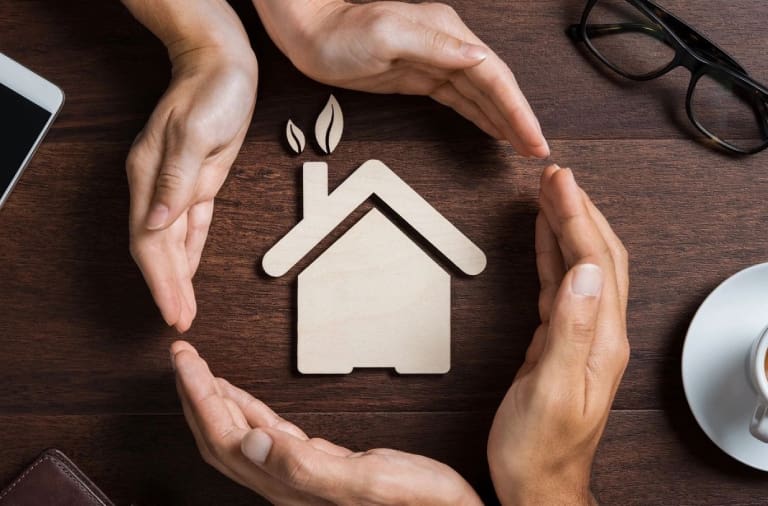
587	280
157	216
474	52
555	166
256	446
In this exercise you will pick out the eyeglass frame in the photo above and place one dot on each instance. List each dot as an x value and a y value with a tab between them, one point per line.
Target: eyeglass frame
696	53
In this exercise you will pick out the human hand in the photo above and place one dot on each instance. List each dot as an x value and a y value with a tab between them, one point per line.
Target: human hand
413	49
183	155
545	432
246	441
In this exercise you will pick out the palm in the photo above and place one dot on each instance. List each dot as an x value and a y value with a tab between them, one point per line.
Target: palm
364	63
220	415
418	49
188	146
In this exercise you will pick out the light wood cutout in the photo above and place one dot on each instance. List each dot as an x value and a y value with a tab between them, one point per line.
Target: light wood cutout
374	298
329	126
295	137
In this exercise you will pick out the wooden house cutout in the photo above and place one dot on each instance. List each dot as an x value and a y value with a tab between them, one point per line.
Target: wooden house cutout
374	298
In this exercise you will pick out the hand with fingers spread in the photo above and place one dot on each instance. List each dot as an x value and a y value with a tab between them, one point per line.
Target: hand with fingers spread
245	440
547	428
181	158
413	49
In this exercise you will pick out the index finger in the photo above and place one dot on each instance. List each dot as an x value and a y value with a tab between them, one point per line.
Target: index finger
256	412
492	80
582	241
197	387
495	79
577	233
549	264
618	251
216	431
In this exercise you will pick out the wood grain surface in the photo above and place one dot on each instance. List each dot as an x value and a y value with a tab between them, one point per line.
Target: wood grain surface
84	362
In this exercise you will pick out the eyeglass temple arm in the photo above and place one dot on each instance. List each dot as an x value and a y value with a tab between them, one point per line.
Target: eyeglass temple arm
695	40
691	37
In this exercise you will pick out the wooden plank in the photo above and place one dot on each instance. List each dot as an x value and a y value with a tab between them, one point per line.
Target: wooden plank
113	71
73	300
81	339
646	457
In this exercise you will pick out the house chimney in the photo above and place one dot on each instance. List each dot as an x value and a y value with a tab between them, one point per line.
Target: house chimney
315	186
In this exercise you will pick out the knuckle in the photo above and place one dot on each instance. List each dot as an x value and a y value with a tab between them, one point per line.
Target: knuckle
602	255
299	472
133	162
188	128
444	9
197	227
605	251
171	178
378	491
622	251
381	23
437	40
494	83
623	352
142	249
622	254
138	162
582	327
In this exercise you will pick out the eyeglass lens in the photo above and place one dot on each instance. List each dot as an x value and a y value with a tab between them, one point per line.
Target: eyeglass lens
626	38
730	111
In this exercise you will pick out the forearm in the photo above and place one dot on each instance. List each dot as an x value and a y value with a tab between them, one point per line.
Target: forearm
188	25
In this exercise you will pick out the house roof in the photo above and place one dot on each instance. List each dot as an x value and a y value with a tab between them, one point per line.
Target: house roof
373	177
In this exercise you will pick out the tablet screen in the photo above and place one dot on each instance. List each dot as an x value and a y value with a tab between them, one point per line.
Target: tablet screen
21	122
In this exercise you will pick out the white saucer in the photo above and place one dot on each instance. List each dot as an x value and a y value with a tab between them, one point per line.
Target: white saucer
715	363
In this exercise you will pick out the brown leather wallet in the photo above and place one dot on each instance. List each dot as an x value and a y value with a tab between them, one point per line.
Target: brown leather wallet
53	480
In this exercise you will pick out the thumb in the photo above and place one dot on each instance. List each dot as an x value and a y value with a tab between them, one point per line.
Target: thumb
175	184
573	322
421	44
300	465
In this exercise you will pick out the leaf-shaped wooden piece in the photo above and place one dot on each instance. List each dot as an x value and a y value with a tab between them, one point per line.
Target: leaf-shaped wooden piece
329	126
295	137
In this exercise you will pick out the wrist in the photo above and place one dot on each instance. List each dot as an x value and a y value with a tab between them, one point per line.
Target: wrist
534	485
290	23
212	60
185	26
554	495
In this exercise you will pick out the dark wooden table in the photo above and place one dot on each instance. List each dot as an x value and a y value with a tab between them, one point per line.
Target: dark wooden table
84	362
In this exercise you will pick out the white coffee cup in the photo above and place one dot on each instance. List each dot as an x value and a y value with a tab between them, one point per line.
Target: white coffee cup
758	426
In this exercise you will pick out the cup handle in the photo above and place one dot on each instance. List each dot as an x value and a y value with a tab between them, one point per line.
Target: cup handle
758	426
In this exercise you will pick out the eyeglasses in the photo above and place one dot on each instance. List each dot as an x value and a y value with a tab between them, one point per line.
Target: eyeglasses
641	41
